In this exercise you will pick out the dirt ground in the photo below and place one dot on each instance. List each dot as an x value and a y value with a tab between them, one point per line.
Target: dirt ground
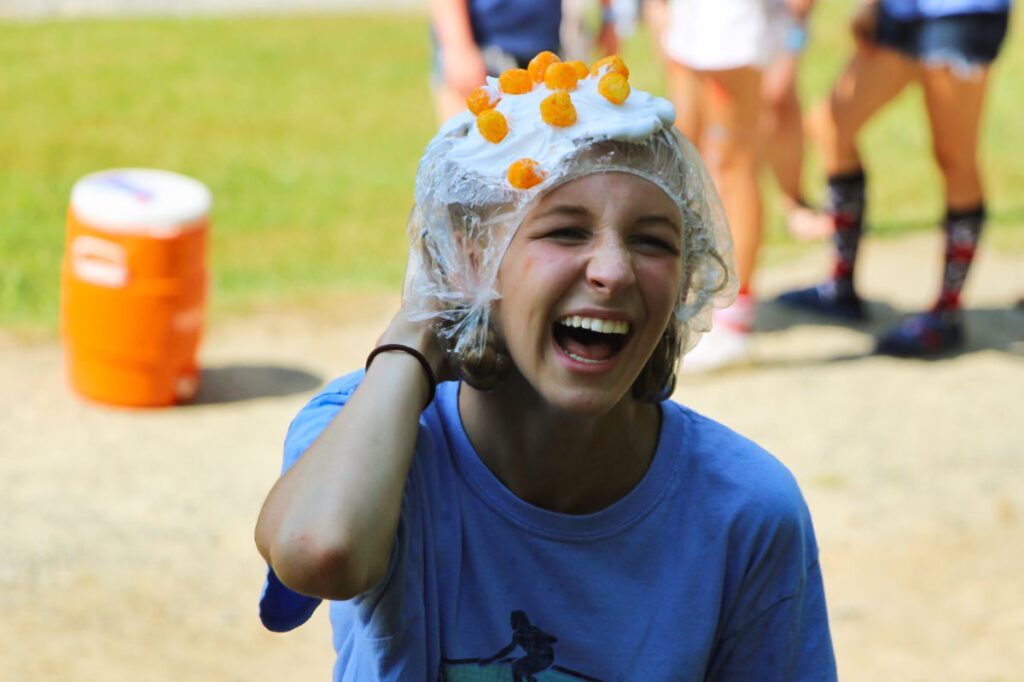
126	550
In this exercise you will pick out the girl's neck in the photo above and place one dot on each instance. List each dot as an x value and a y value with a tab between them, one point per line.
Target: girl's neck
557	460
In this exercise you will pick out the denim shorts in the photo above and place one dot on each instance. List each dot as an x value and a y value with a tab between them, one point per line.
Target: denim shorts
962	41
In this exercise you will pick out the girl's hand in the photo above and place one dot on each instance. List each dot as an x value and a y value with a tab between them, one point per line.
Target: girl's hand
421	336
464	69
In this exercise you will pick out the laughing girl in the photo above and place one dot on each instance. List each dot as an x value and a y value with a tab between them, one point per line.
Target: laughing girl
507	491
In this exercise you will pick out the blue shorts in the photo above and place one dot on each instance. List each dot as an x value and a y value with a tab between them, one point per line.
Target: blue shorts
961	41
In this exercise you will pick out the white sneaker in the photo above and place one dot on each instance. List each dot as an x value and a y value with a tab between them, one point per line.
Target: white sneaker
728	343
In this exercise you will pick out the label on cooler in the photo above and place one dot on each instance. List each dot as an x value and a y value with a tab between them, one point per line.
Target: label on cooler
100	262
141	201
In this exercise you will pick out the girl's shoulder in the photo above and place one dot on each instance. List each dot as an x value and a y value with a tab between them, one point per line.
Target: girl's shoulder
316	414
699	433
717	463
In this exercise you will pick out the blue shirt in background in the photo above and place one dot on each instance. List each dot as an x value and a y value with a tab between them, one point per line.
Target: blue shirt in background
520	27
909	10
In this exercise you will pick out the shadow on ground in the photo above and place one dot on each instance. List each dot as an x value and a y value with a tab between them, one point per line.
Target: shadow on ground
237	383
999	329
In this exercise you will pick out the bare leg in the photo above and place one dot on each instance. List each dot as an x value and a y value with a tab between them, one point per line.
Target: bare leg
685	92
655	15
783	134
954	111
870	80
730	144
731	148
782	126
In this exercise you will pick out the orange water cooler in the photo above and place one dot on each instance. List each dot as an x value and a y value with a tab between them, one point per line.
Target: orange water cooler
133	286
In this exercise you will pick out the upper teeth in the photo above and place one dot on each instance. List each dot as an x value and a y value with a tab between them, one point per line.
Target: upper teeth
596	325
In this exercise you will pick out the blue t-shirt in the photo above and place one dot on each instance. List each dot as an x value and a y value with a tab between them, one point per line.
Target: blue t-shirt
706	570
522	28
909	10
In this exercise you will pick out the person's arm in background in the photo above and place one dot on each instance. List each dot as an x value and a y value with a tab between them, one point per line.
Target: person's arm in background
463	65
328	525
800	9
608	35
655	15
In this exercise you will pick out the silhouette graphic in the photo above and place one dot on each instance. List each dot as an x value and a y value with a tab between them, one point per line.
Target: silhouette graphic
534	641
534	664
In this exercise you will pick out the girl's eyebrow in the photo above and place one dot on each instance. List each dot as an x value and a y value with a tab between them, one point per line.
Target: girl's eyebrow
657	218
571	210
575	211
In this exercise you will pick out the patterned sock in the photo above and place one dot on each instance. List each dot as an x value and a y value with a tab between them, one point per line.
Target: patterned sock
846	202
962	228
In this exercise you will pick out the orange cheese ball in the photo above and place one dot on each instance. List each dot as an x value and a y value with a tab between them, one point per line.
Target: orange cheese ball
515	82
524	174
614	87
561	77
538	66
557	109
480	99
614	61
581	69
492	125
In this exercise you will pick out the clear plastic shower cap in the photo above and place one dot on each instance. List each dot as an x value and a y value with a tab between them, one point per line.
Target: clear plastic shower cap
472	193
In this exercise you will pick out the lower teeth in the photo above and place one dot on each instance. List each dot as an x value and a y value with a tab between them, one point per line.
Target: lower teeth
586	361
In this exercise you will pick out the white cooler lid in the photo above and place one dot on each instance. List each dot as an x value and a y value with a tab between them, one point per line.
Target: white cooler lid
144	201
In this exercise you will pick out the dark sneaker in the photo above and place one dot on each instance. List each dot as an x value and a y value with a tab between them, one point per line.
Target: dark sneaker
923	334
826	299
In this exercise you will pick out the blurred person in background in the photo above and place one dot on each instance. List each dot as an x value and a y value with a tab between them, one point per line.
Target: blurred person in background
947	46
783	122
473	39
731	70
593	27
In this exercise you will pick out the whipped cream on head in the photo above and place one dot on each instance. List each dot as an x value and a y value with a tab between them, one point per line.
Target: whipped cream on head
529	136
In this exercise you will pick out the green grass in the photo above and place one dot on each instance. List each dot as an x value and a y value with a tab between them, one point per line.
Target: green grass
308	131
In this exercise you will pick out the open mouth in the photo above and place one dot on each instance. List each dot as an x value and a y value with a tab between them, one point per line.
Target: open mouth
590	340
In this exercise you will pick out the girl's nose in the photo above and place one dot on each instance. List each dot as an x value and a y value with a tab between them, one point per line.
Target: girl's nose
610	267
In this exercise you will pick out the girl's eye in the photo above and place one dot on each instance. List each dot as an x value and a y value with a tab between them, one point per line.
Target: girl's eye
567	234
656	243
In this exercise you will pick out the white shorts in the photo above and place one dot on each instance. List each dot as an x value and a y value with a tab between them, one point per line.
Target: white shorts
713	35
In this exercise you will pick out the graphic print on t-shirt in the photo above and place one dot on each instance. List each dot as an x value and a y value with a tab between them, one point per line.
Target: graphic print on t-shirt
533	662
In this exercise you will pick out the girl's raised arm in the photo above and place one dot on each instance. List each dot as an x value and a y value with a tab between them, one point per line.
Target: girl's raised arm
327	526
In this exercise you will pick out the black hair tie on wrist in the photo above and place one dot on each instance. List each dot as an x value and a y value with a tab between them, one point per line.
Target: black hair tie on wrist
431	381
